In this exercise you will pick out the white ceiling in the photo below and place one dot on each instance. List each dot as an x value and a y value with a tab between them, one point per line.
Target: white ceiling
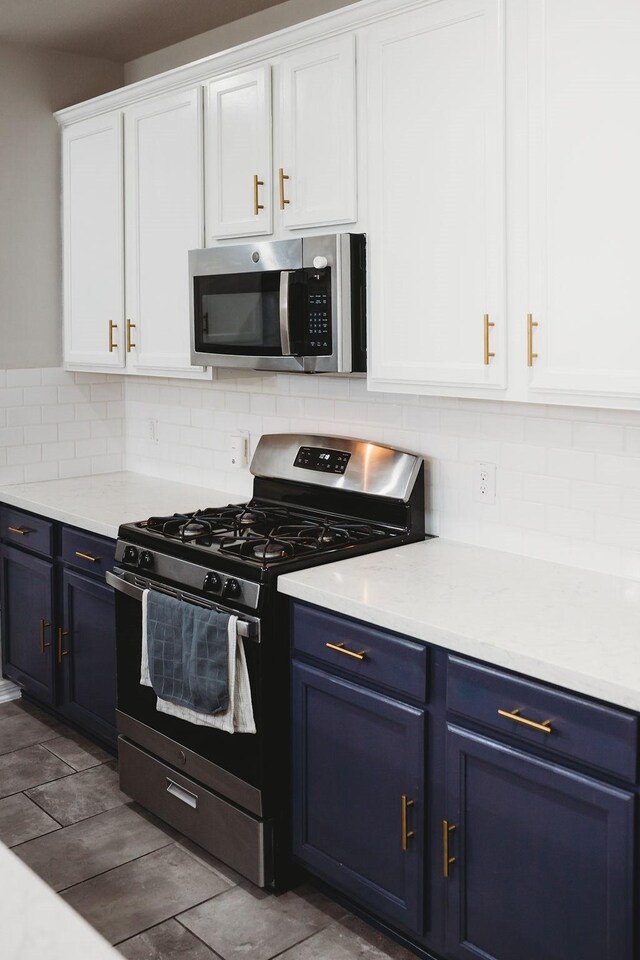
118	30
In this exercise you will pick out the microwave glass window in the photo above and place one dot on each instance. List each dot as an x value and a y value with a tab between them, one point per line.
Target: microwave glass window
238	313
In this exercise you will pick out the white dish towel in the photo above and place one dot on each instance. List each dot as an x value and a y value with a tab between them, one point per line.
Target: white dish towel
238	717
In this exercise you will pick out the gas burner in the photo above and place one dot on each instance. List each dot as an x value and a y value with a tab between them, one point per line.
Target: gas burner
269	551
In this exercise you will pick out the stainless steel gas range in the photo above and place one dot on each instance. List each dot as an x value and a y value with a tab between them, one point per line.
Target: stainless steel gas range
315	500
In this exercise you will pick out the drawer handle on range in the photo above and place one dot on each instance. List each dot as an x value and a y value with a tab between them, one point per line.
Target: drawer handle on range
21	531
405	834
544	727
447	828
44	624
87	556
180	793
340	648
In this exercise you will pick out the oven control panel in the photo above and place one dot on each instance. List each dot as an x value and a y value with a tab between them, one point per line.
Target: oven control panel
322	460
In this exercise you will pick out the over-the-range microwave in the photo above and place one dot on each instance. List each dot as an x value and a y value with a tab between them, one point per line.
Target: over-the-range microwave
290	305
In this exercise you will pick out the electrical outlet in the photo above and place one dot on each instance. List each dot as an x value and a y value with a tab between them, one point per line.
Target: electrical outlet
152	430
238	444
484	483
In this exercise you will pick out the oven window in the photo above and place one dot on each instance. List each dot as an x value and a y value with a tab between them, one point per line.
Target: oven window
238	314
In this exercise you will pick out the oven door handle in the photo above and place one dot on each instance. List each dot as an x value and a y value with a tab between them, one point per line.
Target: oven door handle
245	628
285	328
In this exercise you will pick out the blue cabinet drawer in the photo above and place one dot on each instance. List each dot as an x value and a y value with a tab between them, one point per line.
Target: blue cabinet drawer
363	652
26	530
559	722
87	551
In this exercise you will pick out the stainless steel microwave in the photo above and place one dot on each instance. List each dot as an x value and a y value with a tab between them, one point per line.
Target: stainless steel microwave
291	305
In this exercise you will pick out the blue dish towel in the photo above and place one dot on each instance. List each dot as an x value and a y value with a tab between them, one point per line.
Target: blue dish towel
188	653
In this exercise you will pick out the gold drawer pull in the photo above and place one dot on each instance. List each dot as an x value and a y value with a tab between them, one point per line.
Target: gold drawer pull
87	556
531	323
487	353
62	653
282	176
447	828
22	531
405	834
112	326
257	206
340	648
544	727
44	624
130	344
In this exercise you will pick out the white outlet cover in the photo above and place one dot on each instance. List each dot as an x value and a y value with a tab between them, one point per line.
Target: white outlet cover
484	482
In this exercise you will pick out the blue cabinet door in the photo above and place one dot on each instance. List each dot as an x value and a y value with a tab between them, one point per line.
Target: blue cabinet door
356	753
543	865
27	621
86	653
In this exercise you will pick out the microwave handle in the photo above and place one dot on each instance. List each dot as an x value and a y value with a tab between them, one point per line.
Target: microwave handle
285	329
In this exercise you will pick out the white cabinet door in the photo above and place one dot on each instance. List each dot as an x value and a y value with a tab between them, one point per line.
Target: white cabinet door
584	200
93	243
238	179
317	143
163	221
436	199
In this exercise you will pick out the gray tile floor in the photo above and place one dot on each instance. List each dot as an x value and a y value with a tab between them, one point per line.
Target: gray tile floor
149	891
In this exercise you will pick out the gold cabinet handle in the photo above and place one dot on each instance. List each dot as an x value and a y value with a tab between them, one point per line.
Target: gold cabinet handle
447	829
130	343
44	624
282	176
531	323
340	648
257	206
61	635
405	834
544	727
487	353
87	556
21	531
112	326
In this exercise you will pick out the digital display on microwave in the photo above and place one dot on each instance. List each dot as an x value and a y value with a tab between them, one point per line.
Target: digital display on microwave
324	461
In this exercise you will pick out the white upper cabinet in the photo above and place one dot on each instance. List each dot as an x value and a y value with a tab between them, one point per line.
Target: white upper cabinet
238	177
435	160
163	221
316	157
93	243
581	98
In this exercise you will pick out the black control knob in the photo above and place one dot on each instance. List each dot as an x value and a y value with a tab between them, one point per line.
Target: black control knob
146	560
212	582
130	555
231	588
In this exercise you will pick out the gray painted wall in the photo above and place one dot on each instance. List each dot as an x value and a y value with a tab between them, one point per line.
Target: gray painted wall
33	83
230	35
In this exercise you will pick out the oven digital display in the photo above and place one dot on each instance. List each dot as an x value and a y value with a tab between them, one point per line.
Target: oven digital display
324	461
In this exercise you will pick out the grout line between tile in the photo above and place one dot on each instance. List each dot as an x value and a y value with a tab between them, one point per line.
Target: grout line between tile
102	873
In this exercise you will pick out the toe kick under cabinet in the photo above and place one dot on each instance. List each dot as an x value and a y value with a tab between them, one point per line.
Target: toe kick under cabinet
471	812
58	619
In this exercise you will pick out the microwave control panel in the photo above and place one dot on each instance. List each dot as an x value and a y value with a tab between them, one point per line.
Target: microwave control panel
325	461
318	313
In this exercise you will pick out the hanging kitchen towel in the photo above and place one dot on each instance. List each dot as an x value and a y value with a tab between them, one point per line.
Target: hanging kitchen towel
238	717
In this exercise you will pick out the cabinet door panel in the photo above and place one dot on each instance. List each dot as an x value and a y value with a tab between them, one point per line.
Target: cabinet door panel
355	753
436	196
88	654
93	242
583	86
544	858
27	621
238	149
318	134
164	220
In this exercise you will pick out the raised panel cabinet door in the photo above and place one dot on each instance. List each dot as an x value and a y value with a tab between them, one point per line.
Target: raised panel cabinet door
93	243
163	221
316	157
543	858
86	654
27	622
355	754
436	260
583	91
238	180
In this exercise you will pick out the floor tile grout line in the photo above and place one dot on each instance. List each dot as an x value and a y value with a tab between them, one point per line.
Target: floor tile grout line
216	956
103	873
98	763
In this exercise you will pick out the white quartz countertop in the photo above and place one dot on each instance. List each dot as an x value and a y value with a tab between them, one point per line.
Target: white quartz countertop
101	503
571	627
37	924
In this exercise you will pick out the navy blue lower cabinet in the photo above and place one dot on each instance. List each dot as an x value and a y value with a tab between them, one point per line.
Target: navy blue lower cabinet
358	772
28	621
86	654
540	859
